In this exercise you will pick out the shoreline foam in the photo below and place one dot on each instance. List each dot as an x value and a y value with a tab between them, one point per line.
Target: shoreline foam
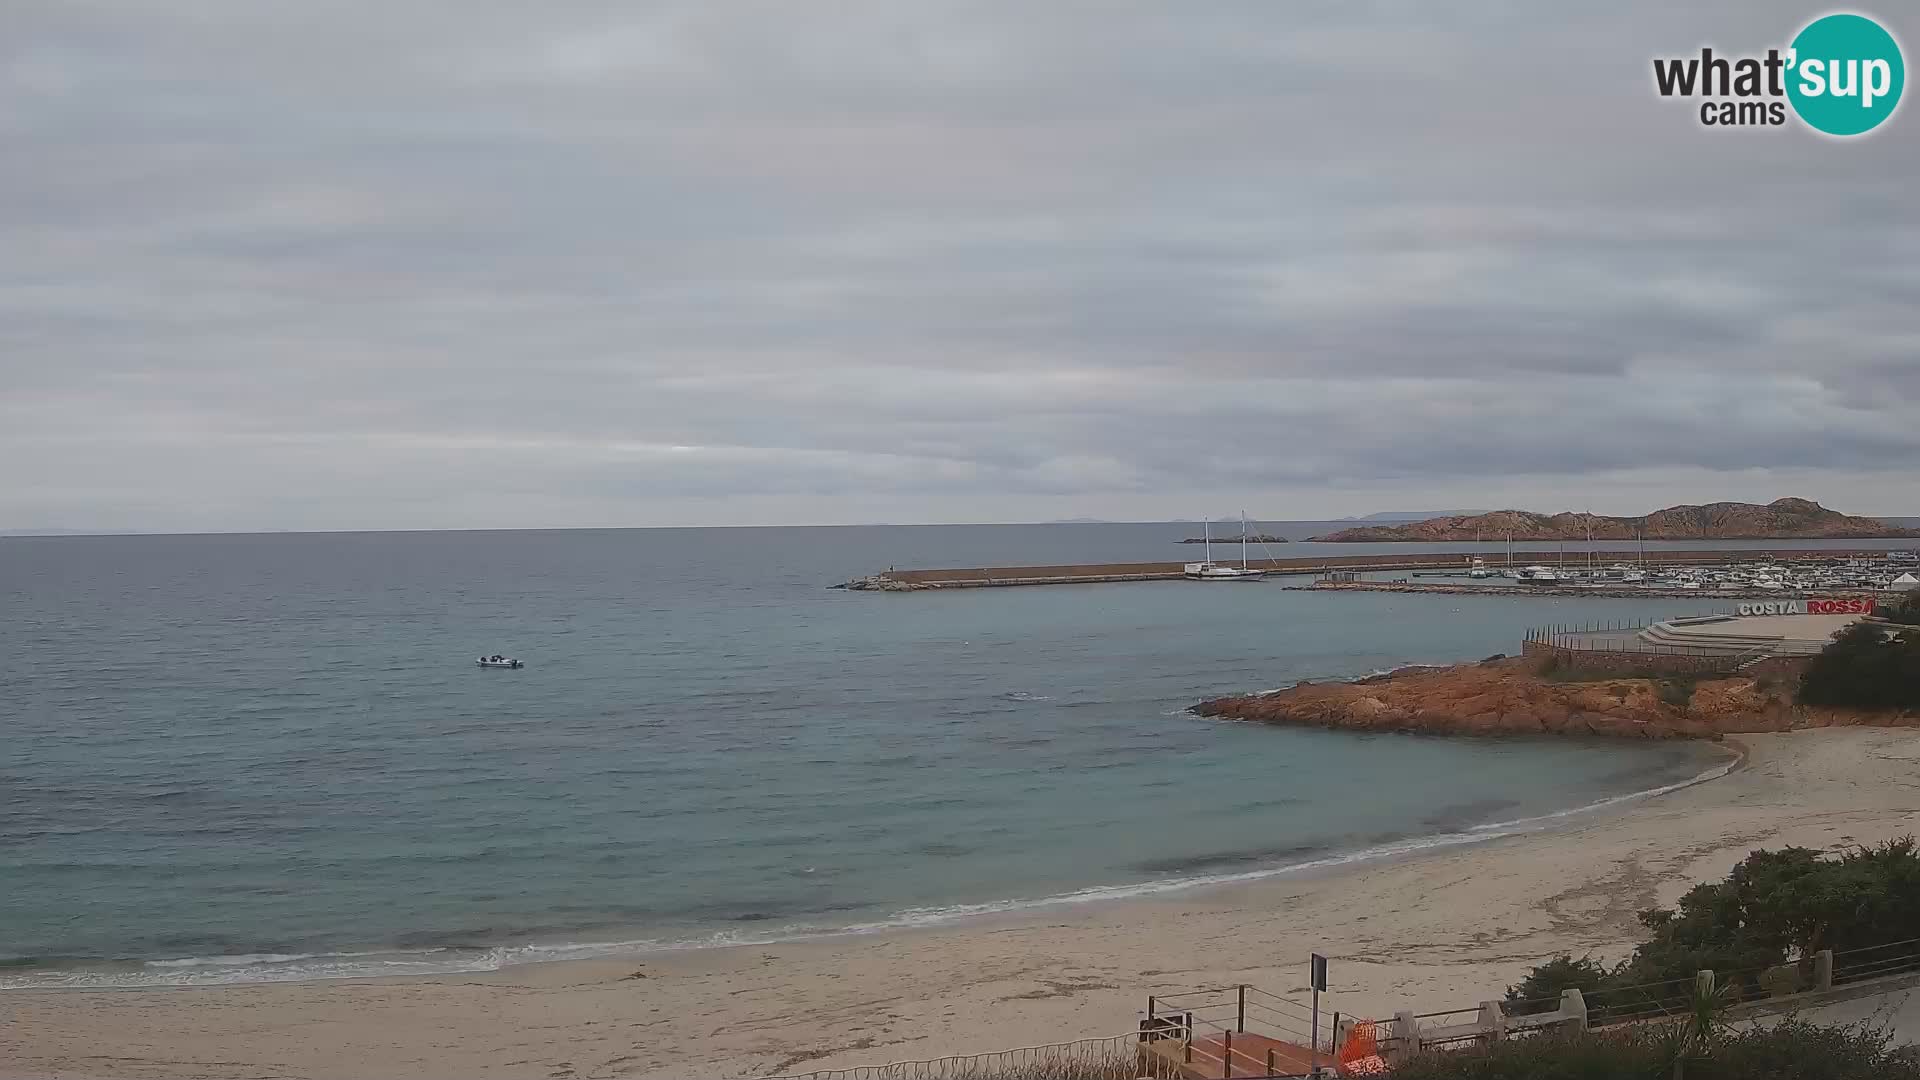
276	968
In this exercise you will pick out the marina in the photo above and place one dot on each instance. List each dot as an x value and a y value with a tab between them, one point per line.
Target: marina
1725	573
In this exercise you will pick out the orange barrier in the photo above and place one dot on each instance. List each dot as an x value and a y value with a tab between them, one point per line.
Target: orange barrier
1360	1054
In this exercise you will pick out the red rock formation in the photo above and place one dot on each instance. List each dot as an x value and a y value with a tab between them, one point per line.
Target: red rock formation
1508	697
1780	519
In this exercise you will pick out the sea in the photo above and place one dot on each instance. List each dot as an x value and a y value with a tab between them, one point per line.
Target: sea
264	757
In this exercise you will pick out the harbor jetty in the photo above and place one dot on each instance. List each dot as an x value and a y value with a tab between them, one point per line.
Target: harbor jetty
1319	565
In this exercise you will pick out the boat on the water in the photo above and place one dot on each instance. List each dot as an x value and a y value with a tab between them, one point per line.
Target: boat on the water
1208	570
497	660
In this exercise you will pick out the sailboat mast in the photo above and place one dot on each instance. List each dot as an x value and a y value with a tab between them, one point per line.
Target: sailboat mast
1243	539
1206	531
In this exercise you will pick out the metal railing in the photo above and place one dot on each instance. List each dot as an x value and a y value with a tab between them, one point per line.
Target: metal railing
1874	961
1206	1023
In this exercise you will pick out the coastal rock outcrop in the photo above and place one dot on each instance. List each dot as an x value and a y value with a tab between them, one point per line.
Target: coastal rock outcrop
1508	697
1780	519
1514	696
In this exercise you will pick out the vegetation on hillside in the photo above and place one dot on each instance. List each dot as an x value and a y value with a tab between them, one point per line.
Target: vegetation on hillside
1775	907
1867	667
1789	1049
1904	610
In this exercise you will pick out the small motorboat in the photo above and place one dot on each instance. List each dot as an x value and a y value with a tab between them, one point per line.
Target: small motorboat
497	660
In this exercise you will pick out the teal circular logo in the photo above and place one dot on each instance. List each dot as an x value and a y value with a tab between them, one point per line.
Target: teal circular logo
1845	74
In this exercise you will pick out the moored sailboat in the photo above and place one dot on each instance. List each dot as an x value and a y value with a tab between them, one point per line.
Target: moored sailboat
1208	570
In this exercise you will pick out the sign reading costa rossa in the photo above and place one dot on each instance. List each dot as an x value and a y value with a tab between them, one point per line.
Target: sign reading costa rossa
1843	605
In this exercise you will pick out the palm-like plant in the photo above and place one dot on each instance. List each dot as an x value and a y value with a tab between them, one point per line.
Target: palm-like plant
1704	1019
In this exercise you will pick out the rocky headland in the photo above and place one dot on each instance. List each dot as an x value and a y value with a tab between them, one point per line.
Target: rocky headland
1514	696
1782	519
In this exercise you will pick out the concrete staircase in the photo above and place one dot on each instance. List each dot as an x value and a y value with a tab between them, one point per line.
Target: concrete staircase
1713	638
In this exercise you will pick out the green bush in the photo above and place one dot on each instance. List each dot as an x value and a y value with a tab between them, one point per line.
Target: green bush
1774	906
1787	1050
1865	669
1798	1050
1540	991
1626	1054
1904	610
1675	692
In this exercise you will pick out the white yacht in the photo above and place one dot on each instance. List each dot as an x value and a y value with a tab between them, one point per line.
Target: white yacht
1478	568
1208	570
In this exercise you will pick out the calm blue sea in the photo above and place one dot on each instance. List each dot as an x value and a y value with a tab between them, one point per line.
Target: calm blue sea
272	756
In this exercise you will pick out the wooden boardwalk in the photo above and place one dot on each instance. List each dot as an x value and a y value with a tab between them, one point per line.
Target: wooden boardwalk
1249	1053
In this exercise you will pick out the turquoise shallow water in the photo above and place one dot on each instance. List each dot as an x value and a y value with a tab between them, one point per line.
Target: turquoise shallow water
260	757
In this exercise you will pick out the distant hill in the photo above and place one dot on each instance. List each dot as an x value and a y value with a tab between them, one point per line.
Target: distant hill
66	532
1782	519
1410	515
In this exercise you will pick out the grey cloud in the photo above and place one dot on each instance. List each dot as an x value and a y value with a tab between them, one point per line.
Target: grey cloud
732	262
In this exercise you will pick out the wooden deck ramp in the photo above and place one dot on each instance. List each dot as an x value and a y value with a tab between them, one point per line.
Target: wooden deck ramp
1239	1055
1234	1033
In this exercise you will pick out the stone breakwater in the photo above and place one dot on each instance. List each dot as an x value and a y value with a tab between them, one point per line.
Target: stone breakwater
1510	696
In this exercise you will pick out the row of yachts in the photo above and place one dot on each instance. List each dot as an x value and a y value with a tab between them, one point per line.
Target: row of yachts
1853	574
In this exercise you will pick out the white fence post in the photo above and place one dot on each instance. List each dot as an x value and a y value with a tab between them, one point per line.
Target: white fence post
1494	1020
1406	1032
1573	1008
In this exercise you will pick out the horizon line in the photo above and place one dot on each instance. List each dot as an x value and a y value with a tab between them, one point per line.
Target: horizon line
34	534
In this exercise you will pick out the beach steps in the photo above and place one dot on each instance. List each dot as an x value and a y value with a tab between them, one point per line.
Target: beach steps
1234	1032
1747	636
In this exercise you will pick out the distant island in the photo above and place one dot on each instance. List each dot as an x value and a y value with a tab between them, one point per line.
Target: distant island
1782	519
66	532
1256	538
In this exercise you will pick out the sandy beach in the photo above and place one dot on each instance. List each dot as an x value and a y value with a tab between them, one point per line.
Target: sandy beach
1439	930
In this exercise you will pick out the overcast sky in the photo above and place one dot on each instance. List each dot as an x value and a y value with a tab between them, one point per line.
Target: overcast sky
473	263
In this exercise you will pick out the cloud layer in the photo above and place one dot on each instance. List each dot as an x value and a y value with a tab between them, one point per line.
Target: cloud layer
480	264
